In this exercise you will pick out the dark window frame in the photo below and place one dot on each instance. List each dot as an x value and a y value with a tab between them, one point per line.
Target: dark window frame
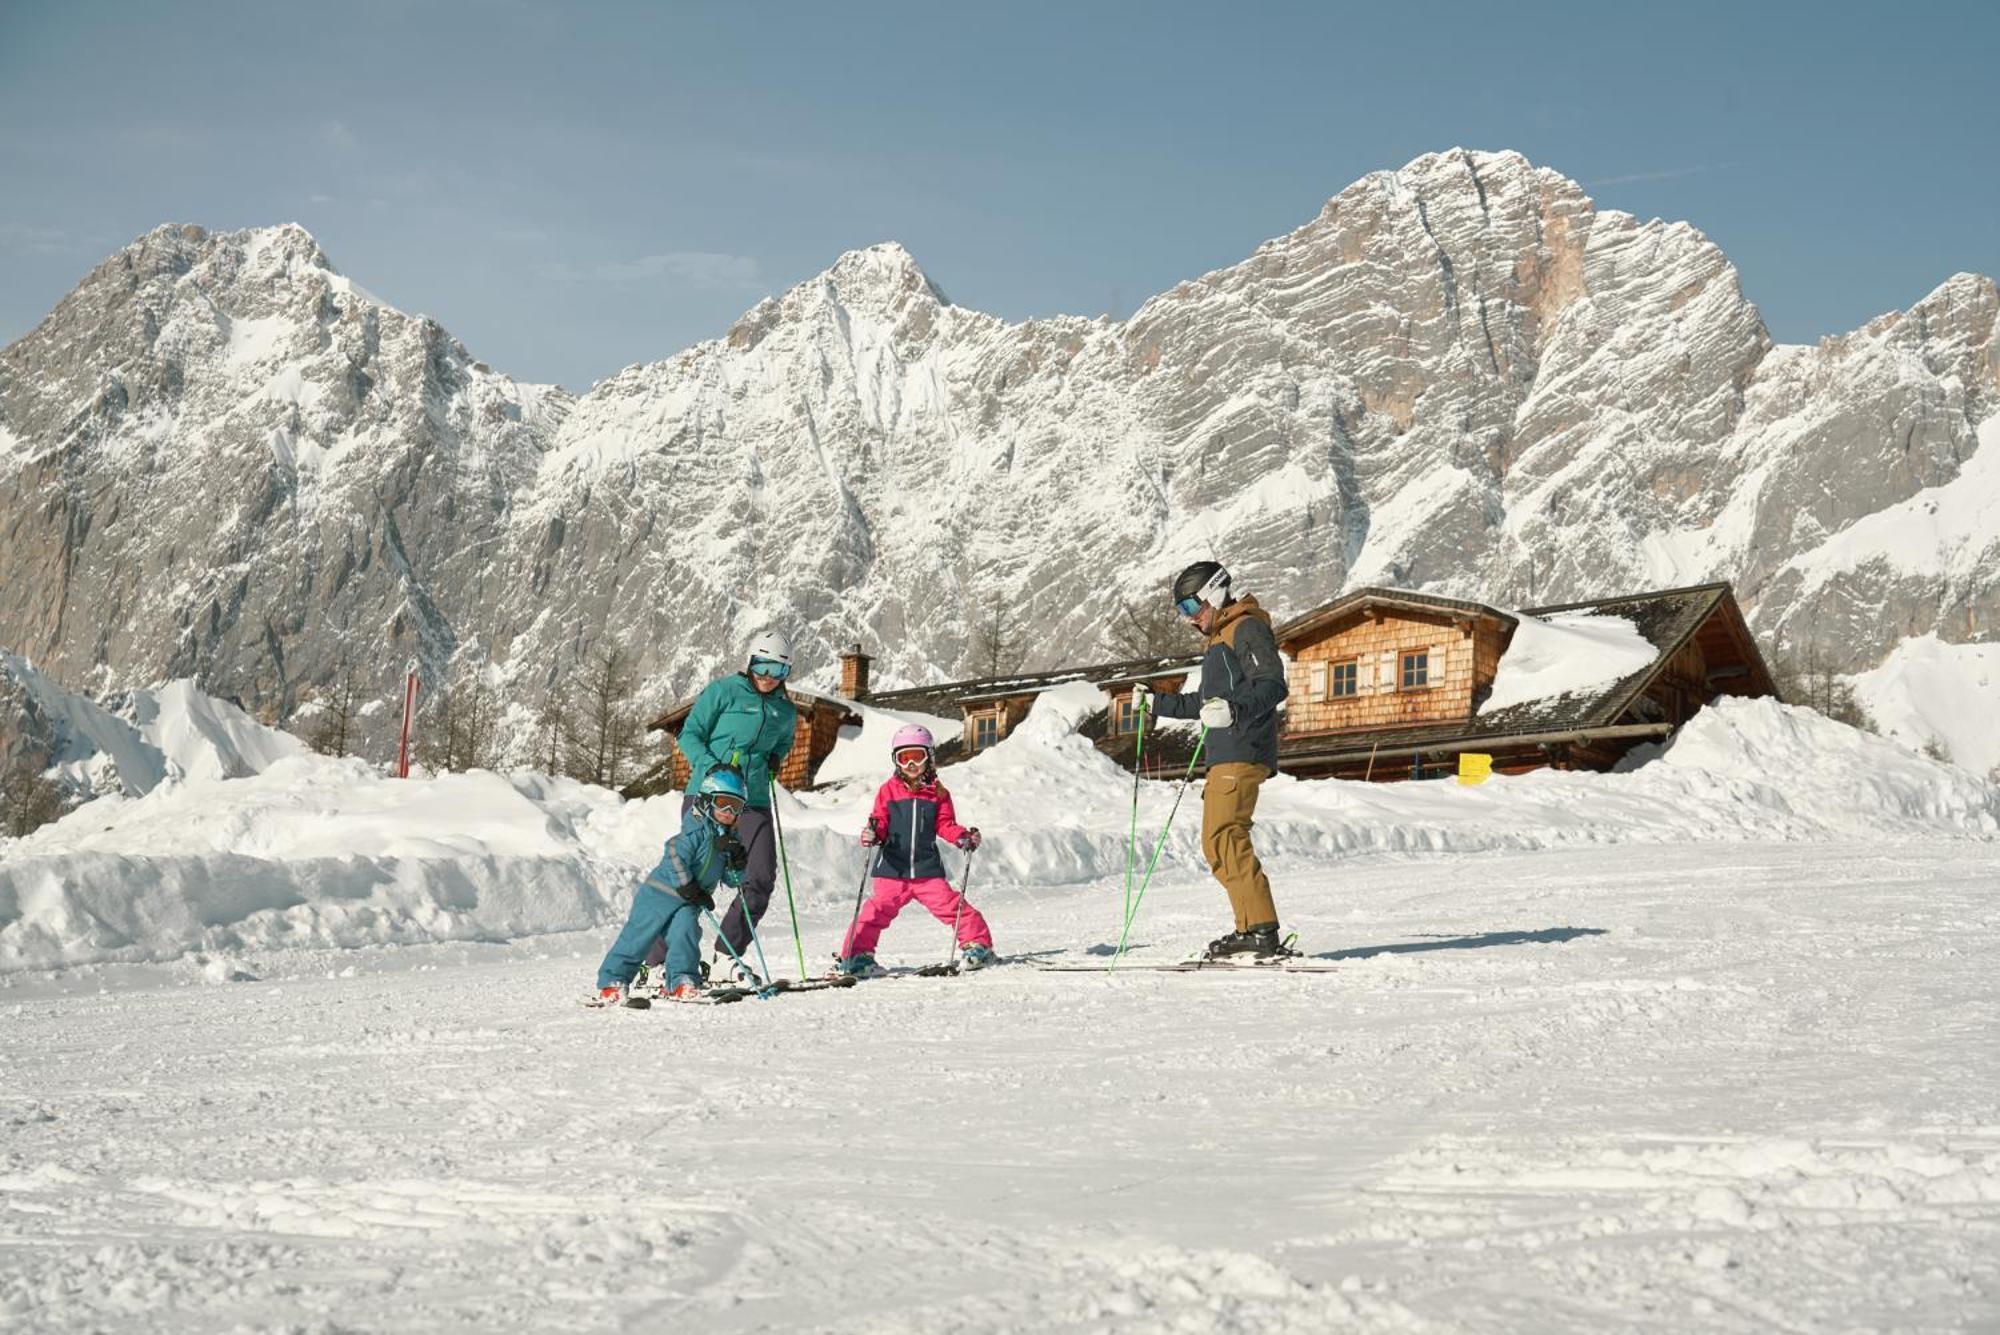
1351	669
1413	675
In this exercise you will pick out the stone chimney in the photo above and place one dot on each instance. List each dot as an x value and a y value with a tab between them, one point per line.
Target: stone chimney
854	673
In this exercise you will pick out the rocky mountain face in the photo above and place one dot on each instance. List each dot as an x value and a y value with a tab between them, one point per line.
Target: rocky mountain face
218	458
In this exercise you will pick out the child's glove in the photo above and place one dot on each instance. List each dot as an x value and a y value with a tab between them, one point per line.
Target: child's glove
969	840
869	836
692	893
734	855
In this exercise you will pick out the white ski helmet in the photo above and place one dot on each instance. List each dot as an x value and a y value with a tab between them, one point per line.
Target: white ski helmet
770	645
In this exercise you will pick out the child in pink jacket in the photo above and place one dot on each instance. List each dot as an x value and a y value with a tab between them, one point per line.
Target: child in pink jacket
912	812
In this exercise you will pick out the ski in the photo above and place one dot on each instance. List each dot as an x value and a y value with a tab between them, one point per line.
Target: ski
1195	966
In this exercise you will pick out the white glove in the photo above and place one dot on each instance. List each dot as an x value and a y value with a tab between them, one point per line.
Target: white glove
1216	713
1142	697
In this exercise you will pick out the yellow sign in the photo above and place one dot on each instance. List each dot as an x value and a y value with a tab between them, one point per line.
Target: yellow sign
1474	767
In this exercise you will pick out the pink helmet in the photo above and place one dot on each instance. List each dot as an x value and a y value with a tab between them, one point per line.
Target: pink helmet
911	734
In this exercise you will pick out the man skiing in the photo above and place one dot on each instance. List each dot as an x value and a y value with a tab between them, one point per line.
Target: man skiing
1242	685
745	720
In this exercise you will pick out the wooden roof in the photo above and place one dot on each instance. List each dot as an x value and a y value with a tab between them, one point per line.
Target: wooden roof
942	699
1325	617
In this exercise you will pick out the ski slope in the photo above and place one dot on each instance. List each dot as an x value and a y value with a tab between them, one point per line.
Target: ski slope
1737	1086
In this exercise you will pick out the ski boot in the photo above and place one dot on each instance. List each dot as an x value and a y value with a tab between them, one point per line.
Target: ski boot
859	966
1260	944
605	996
977	957
687	989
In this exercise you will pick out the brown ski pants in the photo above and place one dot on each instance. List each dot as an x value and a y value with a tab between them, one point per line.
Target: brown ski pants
1228	802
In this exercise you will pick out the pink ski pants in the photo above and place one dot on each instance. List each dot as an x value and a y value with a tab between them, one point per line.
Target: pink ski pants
934	893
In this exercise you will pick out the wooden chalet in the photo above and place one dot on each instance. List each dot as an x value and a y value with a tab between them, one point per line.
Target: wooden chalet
1387	684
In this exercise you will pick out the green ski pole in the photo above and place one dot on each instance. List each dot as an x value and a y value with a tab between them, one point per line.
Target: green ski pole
1193	762
778	826
1132	843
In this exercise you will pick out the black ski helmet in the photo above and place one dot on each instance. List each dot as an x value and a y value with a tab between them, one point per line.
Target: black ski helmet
1204	581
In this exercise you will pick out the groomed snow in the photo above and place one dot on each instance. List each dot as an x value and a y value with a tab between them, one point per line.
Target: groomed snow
1731	1087
1569	653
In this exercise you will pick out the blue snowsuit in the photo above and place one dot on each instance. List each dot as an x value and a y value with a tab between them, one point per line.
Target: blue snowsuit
667	906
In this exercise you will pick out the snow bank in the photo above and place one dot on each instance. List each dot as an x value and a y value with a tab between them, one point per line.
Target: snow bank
316	852
1566	654
1930	690
138	740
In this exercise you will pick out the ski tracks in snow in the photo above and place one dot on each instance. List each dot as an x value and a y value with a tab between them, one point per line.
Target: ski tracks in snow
1714	1088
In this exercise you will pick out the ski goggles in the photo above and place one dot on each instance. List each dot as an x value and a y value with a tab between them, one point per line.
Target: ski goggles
722	804
912	755
1189	607
771	668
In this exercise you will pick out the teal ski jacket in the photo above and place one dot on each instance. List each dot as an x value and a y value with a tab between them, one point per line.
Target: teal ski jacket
733	723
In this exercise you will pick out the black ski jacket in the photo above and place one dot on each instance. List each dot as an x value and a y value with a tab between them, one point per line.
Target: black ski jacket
1242	667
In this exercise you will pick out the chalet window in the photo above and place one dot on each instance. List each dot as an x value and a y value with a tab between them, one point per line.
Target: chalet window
985	731
1344	680
1417	670
1125	717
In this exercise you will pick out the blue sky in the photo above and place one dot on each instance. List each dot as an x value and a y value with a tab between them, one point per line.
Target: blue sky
574	189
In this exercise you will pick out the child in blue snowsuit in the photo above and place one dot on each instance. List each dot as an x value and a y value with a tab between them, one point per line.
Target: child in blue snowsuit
670	901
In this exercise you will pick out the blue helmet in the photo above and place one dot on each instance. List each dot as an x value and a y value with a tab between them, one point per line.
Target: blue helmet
722	781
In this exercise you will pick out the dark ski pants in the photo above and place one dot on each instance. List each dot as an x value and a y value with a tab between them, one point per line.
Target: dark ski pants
760	877
661	927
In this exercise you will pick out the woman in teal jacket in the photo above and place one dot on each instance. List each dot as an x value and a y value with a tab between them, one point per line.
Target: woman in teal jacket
745	720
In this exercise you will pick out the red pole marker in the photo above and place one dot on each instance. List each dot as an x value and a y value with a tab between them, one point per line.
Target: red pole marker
409	713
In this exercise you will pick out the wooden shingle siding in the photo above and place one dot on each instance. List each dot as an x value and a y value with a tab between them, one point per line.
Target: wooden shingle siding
1463	656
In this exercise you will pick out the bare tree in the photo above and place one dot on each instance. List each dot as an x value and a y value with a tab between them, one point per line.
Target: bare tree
1147	630
552	730
337	730
604	738
1814	684
1938	749
998	643
462	730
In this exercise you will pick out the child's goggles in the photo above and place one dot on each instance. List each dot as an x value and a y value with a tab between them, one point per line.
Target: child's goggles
725	804
770	667
912	755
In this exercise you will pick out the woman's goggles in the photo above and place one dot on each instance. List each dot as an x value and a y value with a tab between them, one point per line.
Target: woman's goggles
1189	607
770	667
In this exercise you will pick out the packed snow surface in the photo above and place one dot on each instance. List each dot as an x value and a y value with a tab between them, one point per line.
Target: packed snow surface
1689	1087
1566	654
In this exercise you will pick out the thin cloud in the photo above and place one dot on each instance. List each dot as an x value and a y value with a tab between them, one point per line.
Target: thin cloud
1670	174
336	135
695	268
522	236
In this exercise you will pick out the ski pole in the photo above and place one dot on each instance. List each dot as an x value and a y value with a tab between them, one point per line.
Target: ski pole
778	825
1187	779
764	991
867	865
950	964
1132	842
